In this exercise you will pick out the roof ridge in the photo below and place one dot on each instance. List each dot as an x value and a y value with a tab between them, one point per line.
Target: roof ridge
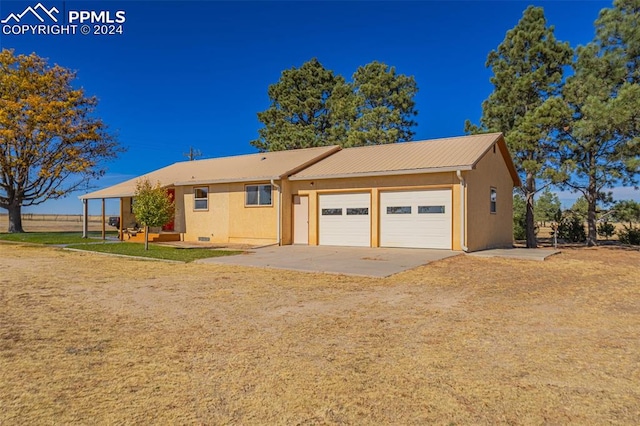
256	154
496	134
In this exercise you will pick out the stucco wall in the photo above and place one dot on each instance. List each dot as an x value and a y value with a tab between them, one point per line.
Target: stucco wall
485	229
227	219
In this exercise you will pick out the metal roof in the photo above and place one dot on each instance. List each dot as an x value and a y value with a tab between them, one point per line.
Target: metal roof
431	156
241	168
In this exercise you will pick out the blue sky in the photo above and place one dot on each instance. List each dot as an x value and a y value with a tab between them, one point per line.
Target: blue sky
195	73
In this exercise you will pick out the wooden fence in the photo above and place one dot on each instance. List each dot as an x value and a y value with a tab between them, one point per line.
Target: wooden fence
39	217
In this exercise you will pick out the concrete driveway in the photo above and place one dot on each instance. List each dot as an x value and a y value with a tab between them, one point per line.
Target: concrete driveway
363	261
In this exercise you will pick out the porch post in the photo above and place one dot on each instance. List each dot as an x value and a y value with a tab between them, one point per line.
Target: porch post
85	218
104	232
121	234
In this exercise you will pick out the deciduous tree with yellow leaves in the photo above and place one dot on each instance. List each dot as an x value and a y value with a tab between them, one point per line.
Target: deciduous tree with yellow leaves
50	142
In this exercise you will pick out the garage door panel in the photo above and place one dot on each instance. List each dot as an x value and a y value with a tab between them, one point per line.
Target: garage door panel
345	219
419	219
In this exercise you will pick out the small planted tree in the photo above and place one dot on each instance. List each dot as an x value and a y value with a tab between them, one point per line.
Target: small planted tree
153	206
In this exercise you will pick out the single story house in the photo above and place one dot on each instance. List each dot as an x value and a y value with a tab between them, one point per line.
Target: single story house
451	193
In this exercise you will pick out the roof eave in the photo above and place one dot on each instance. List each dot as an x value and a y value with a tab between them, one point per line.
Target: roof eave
386	173
218	181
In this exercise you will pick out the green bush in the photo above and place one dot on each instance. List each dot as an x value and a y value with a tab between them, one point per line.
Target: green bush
519	219
629	235
606	229
571	229
519	229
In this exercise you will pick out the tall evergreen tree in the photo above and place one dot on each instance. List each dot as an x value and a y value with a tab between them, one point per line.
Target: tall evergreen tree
311	106
298	116
527	76
601	134
384	106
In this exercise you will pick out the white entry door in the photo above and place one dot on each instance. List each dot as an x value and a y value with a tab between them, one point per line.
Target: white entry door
420	219
300	219
345	219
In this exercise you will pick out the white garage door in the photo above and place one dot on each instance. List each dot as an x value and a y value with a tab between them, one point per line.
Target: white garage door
416	219
345	219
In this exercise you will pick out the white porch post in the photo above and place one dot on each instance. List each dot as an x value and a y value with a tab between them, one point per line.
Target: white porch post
85	218
104	232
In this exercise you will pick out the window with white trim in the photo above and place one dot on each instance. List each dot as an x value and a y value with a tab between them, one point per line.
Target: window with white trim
492	200
201	198
257	195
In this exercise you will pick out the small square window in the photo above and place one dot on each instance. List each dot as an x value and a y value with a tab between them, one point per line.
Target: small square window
357	211
430	209
331	212
492	200
201	198
258	195
399	210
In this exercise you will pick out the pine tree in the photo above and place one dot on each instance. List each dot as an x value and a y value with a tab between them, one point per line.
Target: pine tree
527	76
311	106
601	134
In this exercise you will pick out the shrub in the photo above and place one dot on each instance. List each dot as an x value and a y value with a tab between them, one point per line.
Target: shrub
519	220
629	235
606	229
571	229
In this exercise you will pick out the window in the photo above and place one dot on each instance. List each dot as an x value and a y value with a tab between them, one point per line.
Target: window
201	198
492	200
399	210
331	212
258	195
430	209
361	211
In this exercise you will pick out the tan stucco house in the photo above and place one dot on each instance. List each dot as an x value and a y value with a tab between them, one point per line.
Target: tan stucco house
452	193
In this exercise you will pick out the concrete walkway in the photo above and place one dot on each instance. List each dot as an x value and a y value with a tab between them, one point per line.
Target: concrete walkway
539	254
362	261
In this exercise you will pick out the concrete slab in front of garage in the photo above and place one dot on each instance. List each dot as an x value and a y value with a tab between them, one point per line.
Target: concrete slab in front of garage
363	261
517	253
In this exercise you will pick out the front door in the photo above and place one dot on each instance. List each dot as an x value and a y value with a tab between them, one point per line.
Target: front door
300	219
169	225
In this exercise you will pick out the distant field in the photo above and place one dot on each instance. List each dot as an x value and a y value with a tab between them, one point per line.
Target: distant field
55	222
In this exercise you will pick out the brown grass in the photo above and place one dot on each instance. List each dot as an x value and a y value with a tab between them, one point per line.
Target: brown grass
89	339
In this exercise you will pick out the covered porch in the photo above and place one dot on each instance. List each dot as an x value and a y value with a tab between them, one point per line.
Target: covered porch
126	224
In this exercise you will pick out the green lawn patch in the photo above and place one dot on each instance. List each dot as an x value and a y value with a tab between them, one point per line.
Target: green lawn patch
54	237
154	252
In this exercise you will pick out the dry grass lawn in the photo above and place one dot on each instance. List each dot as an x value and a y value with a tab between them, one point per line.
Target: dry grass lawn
88	339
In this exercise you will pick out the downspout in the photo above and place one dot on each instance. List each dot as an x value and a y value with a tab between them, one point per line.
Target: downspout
463	212
279	211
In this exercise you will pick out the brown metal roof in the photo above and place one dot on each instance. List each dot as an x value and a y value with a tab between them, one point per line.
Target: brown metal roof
432	156
241	168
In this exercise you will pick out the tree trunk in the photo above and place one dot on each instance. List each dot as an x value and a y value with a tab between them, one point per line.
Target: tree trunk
146	238
530	190
15	218
592	198
592	236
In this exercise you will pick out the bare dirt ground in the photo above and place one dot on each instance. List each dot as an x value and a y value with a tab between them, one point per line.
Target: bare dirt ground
87	339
